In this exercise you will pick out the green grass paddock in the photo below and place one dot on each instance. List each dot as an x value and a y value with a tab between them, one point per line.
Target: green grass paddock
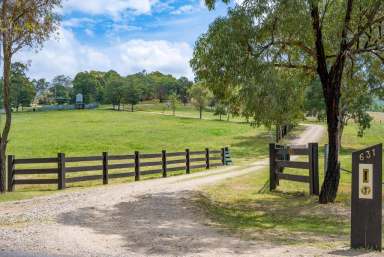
91	132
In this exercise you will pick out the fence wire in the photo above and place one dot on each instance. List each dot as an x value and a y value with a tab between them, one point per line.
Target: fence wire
348	171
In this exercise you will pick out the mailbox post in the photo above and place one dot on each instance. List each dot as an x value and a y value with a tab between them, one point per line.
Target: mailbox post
366	198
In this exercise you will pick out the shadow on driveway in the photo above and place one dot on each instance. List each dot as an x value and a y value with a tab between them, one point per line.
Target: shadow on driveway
161	224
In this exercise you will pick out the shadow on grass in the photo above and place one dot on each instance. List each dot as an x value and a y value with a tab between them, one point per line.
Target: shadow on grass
350	252
251	146
289	218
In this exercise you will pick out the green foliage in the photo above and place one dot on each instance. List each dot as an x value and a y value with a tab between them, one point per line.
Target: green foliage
173	100
164	85
97	86
256	90
132	93
143	82
40	85
115	90
23	24
220	110
89	85
377	105
61	89
355	103
22	91
258	41
314	104
184	84
199	95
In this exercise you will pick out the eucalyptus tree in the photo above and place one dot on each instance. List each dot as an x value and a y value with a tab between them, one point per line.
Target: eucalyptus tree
173	100
40	85
22	91
114	91
132	93
316	38
183	84
23	23
220	110
199	95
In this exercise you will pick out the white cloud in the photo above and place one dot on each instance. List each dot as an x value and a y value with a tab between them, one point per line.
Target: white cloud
68	56
75	22
112	8
118	27
183	9
89	32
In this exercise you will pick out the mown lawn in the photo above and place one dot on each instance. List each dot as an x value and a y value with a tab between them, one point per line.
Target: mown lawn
244	205
91	132
182	110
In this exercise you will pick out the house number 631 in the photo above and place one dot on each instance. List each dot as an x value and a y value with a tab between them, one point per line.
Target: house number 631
367	155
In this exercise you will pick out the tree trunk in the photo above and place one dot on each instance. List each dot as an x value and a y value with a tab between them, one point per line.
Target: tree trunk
201	112
7	109
131	107
331	83
331	181
332	176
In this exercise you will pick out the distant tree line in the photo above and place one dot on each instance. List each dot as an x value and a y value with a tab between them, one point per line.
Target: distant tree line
97	87
112	88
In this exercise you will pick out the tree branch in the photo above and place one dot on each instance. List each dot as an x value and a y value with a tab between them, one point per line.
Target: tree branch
295	66
320	52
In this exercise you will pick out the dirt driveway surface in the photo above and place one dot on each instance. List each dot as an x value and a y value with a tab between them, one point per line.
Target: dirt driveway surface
147	218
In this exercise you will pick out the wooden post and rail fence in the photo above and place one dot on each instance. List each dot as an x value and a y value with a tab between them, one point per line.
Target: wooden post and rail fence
282	131
135	165
280	158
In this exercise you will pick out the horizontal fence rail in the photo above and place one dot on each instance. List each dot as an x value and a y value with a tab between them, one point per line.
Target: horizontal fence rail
280	158
66	170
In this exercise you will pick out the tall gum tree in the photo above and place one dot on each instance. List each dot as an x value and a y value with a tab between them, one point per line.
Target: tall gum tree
319	38
23	23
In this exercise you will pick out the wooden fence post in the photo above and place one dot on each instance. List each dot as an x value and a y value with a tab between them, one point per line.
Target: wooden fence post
223	156
326	153
272	166
314	168
105	168
61	170
187	161
227	156
164	162
11	175
137	166
207	158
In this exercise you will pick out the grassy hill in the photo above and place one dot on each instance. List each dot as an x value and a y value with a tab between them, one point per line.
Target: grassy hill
87	132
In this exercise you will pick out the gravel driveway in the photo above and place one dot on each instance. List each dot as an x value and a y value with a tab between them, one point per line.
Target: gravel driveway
146	218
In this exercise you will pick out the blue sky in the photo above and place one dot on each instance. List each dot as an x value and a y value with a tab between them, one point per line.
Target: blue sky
124	35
